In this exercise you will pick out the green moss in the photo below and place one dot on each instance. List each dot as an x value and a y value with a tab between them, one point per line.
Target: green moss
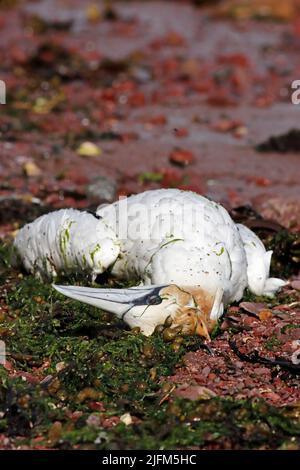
76	358
272	343
183	424
290	326
279	299
149	176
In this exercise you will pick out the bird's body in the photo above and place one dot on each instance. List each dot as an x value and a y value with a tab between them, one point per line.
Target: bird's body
178	237
189	252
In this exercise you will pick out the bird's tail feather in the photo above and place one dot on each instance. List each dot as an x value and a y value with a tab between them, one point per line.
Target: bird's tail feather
272	285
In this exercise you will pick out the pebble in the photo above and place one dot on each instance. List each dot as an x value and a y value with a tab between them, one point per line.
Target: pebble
102	188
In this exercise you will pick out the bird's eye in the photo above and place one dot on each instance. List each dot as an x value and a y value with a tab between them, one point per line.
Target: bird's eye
154	300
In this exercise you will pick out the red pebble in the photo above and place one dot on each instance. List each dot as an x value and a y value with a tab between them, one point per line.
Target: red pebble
181	157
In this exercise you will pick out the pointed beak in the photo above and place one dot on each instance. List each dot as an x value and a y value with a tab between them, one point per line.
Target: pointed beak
117	301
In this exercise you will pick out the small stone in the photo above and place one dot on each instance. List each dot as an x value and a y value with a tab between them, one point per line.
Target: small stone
141	74
181	132
93	421
265	314
252	307
240	131
102	189
194	392
93	13
126	419
181	157
31	169
296	284
60	366
96	406
89	149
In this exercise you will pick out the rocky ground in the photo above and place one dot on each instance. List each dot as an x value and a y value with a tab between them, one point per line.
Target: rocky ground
108	99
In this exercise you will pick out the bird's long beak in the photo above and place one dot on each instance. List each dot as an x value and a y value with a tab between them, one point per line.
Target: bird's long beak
117	301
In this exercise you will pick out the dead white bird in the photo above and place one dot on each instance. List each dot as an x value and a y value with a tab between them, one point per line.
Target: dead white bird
185	250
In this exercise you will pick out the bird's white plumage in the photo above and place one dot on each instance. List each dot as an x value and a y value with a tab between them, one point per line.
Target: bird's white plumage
209	254
64	241
210	251
258	264
171	238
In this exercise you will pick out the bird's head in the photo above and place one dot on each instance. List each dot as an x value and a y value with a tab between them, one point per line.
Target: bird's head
191	308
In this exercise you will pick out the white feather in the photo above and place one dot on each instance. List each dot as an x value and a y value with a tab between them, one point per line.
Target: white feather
209	253
258	264
65	241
